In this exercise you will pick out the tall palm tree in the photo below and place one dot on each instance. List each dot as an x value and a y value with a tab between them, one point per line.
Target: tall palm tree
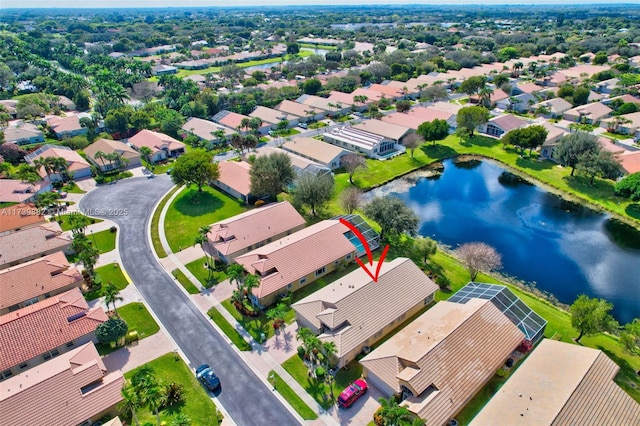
329	350
111	296
146	152
235	273
42	163
251	281
154	397
100	156
59	165
130	403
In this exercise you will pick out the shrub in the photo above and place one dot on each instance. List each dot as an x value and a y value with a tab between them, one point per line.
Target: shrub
320	372
301	351
113	229
174	394
629	187
502	372
259	203
286	300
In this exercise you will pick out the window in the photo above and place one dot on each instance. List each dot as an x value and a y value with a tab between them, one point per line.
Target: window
5	374
52	353
320	271
347	257
335	262
289	287
23	365
302	280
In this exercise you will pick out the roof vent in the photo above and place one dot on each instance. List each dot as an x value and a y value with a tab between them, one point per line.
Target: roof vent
76	316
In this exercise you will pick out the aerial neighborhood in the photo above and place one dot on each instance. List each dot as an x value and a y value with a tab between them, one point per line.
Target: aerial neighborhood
364	215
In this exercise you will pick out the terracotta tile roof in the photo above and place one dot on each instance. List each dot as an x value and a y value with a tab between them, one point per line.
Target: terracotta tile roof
251	227
384	129
345	306
19	216
594	111
445	356
319	102
230	119
508	122
16	191
372	95
204	129
35	329
529	87
387	91
31	241
319	151
270	115
299	163
297	255
35	278
20	132
340	97
557	105
447	107
296	108
578	70
57	392
416	116
630	162
154	141
235	174
561	383
109	147
74	160
64	124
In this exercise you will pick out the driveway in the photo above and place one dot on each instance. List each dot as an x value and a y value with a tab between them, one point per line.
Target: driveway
245	397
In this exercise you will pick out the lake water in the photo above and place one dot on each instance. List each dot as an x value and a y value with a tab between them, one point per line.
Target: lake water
563	248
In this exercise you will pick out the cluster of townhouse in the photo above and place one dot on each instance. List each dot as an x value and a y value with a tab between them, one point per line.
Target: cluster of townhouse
47	329
443	357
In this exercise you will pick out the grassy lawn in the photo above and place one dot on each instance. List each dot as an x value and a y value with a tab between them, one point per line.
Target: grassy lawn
160	169
202	274
286	132
73	189
228	329
155	223
190	210
185	282
108	273
317	125
198	406
105	241
292	398
616	136
320	390
184	73
318	46
474	406
138	318
63	220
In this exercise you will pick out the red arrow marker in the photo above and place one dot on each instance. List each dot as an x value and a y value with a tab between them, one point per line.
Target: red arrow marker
363	240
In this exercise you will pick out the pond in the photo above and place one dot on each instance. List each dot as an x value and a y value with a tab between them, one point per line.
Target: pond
564	248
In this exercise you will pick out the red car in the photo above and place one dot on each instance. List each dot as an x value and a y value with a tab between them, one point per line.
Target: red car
352	393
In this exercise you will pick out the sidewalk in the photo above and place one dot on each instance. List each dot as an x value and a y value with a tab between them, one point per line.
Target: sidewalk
137	354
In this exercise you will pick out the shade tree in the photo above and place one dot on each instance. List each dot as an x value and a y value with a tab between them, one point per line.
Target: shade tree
195	168
591	315
393	216
471	117
271	174
478	257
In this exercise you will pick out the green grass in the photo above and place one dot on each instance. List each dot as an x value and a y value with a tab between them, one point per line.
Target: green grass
185	282
105	241
73	188
317	125
320	390
292	398
286	132
139	319
63	220
198	406
202	274
617	136
160	169
190	210
108	273
319	46
155	224
228	329
184	73
474	406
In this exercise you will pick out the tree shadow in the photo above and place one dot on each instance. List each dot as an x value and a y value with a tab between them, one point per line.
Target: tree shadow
534	163
438	151
194	204
633	210
627	377
478	140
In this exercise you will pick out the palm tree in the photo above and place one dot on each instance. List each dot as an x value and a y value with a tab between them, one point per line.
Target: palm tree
78	223
329	350
235	273
154	397
146	153
42	163
391	413
59	165
111	296
130	403
100	156
485	97
276	314
251	281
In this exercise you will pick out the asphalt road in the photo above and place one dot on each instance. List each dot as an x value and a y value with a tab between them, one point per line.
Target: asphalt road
243	395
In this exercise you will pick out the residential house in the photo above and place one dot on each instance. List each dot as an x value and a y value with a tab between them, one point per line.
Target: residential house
607	86
626	98
65	103
10	105
235	179
73	389
627	124
342	311
497	98
301	165
207	131
529	88
250	230
371	96
77	167
371	144
36	333
554	134
193	65
630	161
162	146
312	149
561	383
498	126
589	114
23	134
441	360
30	282
324	104
556	107
233	120
27	244
447	107
305	112
519	103
388	92
19	216
66	127
130	157
346	99
273	117
418	115
162	69
298	259
17	191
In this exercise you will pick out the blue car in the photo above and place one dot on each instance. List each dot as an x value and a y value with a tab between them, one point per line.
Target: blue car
207	377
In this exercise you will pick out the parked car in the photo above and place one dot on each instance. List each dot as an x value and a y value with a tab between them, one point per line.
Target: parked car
303	125
207	377
169	171
352	393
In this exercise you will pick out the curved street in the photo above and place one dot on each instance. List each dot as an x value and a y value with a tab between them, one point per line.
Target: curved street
246	398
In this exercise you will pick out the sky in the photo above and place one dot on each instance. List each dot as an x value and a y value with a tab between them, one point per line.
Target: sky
201	3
